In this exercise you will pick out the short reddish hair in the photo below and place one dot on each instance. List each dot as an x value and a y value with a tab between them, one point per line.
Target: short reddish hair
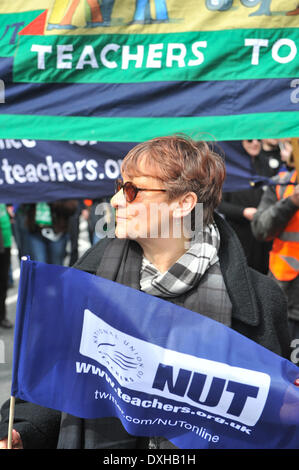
183	165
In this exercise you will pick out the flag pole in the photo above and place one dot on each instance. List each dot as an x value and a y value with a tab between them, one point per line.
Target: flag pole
295	145
10	421
12	403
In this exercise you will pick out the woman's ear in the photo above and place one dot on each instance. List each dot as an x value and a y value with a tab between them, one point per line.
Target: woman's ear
184	205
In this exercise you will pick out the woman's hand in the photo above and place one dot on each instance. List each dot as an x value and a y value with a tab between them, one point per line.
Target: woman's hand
16	441
249	212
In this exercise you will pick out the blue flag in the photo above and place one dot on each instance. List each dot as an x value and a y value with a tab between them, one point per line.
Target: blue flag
94	348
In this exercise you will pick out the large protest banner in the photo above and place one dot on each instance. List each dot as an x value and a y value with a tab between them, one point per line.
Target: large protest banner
37	170
121	72
120	352
129	71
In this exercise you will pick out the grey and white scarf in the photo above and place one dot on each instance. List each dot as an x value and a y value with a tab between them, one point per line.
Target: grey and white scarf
187	271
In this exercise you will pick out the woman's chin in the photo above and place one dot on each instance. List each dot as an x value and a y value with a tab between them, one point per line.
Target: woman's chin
121	234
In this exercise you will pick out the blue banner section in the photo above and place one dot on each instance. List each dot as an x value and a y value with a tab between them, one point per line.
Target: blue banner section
94	348
148	99
33	171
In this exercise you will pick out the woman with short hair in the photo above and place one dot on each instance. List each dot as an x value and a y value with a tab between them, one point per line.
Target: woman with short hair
198	265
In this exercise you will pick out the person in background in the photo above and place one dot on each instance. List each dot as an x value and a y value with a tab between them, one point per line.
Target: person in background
239	208
277	219
287	156
99	215
268	162
5	246
20	232
48	226
74	232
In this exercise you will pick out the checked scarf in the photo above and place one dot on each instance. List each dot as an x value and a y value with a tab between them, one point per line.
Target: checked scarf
187	271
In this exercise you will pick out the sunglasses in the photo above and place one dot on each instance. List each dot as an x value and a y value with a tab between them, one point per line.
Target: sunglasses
130	189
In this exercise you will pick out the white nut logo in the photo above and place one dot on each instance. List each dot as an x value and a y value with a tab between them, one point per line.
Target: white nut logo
119	356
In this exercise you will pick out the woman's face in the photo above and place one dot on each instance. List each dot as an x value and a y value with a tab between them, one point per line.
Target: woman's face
253	147
148	216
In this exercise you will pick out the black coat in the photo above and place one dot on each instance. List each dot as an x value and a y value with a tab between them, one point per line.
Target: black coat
258	312
232	207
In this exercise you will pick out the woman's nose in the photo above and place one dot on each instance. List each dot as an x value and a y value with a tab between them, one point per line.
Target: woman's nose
118	199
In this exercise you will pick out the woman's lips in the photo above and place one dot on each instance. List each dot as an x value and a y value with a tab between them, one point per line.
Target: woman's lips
119	219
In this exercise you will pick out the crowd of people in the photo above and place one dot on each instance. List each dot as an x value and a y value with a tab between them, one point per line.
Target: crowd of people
46	232
266	218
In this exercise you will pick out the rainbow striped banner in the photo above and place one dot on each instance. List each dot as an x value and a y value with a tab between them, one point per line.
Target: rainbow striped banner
127	71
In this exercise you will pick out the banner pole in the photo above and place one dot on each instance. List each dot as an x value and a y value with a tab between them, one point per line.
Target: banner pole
11	420
12	403
295	145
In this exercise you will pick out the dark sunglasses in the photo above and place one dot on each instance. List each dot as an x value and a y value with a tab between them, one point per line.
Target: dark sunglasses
130	189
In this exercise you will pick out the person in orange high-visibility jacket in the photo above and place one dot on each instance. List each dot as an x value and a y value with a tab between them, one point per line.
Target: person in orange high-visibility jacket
277	219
